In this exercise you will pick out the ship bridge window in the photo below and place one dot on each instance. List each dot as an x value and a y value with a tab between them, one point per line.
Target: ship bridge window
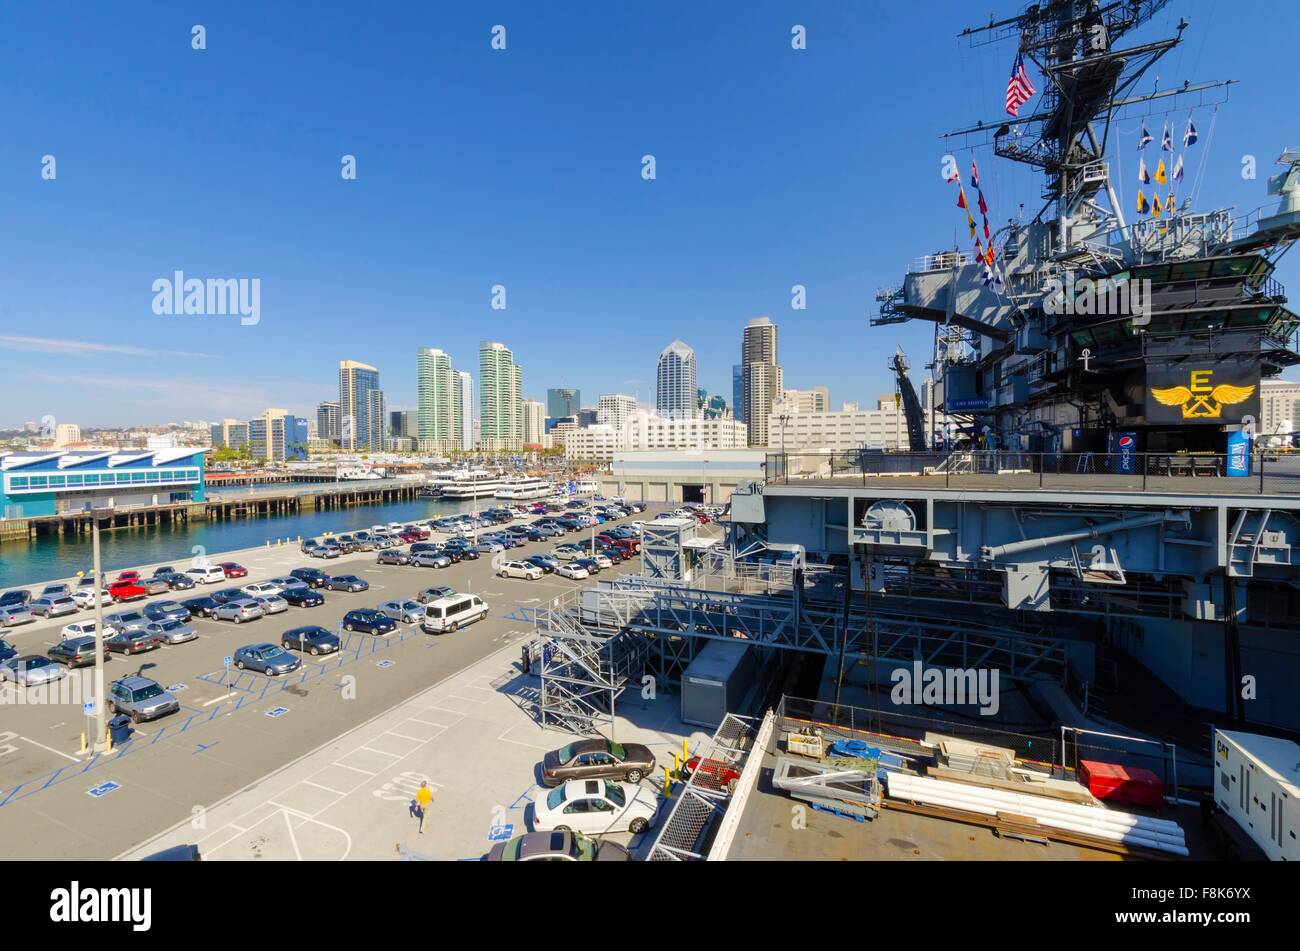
1083	338
1233	267
1190	271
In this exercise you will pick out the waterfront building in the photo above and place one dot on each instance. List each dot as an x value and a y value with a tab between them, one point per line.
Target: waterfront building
815	400
230	434
467	423
500	410
676	382
440	396
327	421
376	410
562	402
645	430
762	376
534	415
49	483
881	428
277	435
708	476
357	428
615	409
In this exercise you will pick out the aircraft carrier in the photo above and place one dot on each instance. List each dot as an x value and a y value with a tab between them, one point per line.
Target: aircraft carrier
1093	487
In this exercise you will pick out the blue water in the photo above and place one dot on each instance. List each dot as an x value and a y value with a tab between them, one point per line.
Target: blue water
53	557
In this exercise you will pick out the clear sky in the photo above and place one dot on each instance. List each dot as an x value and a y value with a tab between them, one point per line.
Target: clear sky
521	168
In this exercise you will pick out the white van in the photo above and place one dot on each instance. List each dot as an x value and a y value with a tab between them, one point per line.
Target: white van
206	574
453	613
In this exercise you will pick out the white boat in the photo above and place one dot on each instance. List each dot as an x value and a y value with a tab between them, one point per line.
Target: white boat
586	487
467	484
525	487
358	473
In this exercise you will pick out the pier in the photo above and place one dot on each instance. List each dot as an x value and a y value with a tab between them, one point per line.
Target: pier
219	506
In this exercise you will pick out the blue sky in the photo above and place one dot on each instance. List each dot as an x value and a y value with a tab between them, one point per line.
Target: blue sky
521	168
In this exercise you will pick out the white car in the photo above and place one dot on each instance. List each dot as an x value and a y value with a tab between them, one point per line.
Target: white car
78	629
206	574
262	589
595	807
85	597
519	569
575	572
602	561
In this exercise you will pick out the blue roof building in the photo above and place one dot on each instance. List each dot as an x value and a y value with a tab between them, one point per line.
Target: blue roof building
37	483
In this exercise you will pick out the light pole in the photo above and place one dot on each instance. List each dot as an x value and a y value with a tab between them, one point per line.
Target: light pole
99	744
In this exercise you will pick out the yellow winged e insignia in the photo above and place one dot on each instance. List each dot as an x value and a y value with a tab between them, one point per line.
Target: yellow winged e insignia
1178	395
1224	393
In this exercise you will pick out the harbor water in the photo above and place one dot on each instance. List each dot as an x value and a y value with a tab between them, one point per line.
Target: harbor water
53	557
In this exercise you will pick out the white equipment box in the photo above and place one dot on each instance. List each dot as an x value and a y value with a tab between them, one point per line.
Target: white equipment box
1257	782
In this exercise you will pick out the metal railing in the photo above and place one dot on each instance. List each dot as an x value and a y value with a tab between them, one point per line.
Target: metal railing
1262	472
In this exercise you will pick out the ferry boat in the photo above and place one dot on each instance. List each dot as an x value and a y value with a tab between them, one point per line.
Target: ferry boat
586	487
358	473
524	487
466	484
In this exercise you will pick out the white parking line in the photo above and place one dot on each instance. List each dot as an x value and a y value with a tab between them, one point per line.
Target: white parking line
224	696
49	749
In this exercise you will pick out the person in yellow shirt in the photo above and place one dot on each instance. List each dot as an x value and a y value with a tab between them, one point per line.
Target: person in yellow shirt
424	799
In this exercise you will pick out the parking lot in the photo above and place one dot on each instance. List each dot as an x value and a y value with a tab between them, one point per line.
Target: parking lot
236	727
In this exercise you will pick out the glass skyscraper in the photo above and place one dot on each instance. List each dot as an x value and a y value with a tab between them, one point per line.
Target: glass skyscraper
676	393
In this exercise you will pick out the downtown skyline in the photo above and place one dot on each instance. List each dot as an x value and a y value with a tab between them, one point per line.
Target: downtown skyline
600	267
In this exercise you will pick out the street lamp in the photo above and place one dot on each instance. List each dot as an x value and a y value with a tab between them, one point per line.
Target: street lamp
99	744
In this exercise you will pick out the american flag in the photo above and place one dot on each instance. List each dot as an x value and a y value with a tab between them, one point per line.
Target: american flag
1019	89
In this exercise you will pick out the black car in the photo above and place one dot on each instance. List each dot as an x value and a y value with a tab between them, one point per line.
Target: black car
226	595
12	599
179	582
466	552
545	562
368	621
311	640
201	607
455	554
311	576
392	556
302	597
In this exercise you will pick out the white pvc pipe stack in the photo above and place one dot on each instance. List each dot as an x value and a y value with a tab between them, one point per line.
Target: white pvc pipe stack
1109	824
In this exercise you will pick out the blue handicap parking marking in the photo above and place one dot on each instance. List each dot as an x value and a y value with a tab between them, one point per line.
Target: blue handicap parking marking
176	688
103	789
88	708
228	660
502	833
277	711
386	663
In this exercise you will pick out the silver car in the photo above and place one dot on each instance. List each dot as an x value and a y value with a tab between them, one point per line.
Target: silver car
56	591
408	612
271	604
53	606
239	611
173	632
141	698
14	615
31	669
430	559
124	622
285	582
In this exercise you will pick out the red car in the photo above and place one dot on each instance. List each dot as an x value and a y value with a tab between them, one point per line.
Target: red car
126	590
703	519
409	537
713	774
131	576
233	570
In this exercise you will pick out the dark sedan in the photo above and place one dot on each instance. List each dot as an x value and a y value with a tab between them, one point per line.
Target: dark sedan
76	651
133	642
465	551
368	621
312	576
545	562
312	640
179	582
347	583
167	611
302	597
597	759
201	607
